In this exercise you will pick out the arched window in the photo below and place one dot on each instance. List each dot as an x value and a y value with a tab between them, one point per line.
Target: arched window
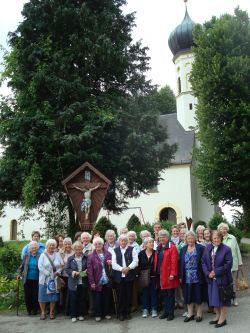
168	213
179	85
13	229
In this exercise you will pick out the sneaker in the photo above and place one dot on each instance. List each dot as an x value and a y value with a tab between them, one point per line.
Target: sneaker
235	302
73	320
185	314
81	318
145	313
108	317
154	313
98	319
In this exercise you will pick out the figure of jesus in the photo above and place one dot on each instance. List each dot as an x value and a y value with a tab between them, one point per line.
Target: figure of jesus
86	201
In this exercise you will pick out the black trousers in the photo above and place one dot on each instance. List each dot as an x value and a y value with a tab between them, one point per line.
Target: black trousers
31	295
124	291
77	301
102	302
169	301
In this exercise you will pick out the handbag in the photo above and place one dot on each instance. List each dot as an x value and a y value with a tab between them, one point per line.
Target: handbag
226	293
144	278
241	281
58	281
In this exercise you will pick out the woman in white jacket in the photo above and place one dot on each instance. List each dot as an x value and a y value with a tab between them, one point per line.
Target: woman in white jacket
50	265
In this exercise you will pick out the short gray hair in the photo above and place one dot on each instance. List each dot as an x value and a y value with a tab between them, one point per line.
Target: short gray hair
67	239
163	233
86	234
123	237
190	233
98	240
110	232
77	244
33	243
200	227
145	232
132	233
147	239
223	225
51	241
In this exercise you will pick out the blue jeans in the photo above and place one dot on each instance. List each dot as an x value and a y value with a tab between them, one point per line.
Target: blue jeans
149	296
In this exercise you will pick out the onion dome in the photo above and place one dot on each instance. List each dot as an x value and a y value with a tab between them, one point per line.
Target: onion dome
181	38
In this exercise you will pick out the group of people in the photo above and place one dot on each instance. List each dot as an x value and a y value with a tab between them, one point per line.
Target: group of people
169	270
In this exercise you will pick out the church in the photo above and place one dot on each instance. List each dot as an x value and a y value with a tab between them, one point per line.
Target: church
177	195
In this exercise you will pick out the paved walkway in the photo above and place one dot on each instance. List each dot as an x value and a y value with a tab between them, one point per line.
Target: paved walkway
238	321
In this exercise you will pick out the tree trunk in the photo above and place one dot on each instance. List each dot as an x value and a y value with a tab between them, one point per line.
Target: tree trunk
73	225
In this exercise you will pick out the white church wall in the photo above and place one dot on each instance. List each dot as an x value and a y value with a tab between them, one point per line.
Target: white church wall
173	191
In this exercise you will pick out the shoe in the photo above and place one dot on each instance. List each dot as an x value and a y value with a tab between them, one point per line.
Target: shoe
145	313
163	316
43	316
121	318
52	316
198	319
187	319
235	302
221	324
213	322
73	320
108	317
170	317
81	318
154	314
185	314
98	319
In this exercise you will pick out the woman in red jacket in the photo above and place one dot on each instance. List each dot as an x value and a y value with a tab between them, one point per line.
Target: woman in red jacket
167	268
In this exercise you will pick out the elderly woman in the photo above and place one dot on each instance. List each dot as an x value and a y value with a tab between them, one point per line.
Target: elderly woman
147	262
65	253
217	262
132	241
157	227
124	262
50	265
76	269
99	271
77	236
175	234
192	277
200	236
59	240
231	242
29	273
207	236
35	236
182	242
87	246
167	269
111	242
144	234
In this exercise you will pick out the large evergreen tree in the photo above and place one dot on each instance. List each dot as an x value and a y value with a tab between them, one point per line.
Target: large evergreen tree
75	73
221	80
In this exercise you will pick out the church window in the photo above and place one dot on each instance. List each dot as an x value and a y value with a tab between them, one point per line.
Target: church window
190	106
179	85
168	213
13	229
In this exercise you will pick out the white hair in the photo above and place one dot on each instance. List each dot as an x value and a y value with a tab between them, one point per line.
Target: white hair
51	241
67	239
33	243
132	233
98	240
190	233
200	227
163	233
123	237
110	232
147	239
223	225
146	233
86	234
77	244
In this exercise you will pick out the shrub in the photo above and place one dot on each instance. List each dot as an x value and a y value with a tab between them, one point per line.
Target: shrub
167	225
8	293
10	260
104	224
133	222
1	242
196	224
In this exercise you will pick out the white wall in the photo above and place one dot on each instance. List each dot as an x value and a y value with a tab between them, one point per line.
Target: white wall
173	191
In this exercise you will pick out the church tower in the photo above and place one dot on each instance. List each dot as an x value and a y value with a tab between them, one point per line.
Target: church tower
180	42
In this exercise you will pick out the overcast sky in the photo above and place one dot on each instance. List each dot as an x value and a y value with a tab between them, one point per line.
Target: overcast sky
155	20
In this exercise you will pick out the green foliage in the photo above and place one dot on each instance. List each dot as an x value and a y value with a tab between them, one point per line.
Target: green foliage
8	293
139	228
10	260
1	241
104	224
220	80
76	77
196	224
217	219
245	248
133	222
167	225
